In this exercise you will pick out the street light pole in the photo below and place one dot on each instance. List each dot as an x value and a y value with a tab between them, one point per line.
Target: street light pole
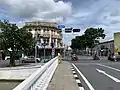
44	51
64	50
36	47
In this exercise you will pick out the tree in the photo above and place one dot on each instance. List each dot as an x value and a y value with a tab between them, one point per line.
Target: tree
90	37
14	38
79	42
93	35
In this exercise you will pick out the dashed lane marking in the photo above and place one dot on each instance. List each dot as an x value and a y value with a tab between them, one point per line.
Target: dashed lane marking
84	78
77	79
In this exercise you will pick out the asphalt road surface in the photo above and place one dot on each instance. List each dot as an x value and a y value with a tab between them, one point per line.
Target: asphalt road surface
98	74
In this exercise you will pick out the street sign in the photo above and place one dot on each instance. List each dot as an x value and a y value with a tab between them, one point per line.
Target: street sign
61	26
68	30
44	44
76	30
53	51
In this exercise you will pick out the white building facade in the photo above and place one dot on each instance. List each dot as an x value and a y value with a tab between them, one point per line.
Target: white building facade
47	32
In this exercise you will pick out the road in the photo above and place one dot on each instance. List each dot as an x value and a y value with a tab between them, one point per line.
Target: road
99	74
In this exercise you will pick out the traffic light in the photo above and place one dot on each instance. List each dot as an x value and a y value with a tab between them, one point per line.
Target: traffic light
76	30
68	30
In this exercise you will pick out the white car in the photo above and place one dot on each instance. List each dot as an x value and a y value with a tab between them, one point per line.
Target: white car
29	59
7	57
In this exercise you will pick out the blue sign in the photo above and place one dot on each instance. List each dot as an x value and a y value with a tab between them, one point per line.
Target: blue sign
61	26
44	44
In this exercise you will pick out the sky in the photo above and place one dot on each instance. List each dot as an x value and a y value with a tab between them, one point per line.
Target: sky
81	14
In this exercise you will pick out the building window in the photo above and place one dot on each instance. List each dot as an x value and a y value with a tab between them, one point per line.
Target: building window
48	41
39	29
44	30
44	41
30	29
35	29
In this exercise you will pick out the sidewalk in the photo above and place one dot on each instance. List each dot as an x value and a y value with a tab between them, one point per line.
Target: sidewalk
63	78
18	73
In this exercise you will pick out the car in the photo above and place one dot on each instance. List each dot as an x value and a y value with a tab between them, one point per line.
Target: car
7	58
29	59
114	57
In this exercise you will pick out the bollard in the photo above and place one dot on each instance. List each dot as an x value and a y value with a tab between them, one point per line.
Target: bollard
59	58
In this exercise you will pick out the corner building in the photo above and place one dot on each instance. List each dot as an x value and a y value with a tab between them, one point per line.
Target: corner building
47	32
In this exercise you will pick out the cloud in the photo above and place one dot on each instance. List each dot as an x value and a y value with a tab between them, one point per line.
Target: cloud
72	13
37	9
101	13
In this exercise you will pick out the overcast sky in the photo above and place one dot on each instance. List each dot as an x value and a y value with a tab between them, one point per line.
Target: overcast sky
72	13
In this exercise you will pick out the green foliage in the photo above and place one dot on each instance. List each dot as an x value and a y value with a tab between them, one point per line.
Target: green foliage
90	37
79	42
14	38
93	35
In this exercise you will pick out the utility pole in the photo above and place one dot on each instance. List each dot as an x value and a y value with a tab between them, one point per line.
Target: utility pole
36	46
53	49
44	51
64	51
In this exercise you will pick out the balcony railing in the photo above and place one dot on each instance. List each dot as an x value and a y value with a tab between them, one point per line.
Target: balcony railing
46	35
56	36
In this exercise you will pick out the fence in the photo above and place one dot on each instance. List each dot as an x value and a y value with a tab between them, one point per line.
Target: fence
41	78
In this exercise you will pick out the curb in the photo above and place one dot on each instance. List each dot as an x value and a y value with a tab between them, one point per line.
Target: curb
77	79
19	68
11	80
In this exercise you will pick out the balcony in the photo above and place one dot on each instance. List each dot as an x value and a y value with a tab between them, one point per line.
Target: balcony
59	37
47	35
56	36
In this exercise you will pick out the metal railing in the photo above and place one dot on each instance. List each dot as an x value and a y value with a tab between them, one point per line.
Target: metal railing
41	78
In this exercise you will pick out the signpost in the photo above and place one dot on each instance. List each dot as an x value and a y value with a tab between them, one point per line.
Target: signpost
53	49
66	30
44	44
53	52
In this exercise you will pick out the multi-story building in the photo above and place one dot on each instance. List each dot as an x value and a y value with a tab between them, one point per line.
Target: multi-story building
47	32
104	48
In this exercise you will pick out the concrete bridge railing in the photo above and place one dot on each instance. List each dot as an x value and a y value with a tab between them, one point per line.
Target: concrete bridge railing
41	78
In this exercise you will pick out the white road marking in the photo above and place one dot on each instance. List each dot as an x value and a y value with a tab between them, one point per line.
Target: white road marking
74	72
75	76
86	81
72	69
111	77
109	67
81	88
78	81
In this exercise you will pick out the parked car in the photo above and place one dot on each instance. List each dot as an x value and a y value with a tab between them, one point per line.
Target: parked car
113	57
74	57
29	59
7	58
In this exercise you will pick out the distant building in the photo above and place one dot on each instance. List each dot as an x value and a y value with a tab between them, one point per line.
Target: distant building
47	32
104	48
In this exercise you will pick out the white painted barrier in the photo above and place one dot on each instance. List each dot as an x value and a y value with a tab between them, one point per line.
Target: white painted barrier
41	78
